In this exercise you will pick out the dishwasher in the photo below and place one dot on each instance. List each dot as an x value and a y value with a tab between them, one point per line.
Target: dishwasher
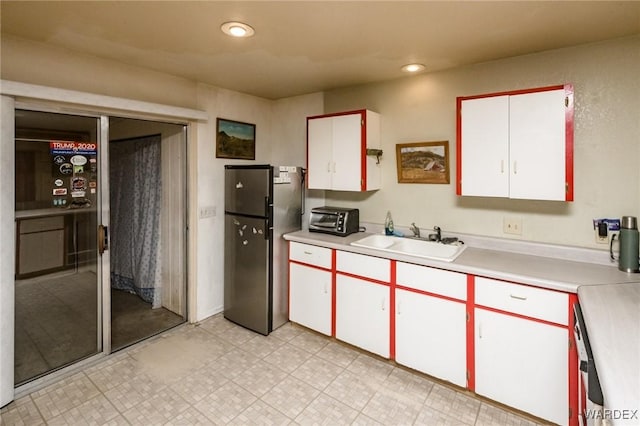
591	400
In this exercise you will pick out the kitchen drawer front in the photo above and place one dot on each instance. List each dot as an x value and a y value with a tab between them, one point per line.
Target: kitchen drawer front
41	224
364	266
529	301
438	281
312	255
41	251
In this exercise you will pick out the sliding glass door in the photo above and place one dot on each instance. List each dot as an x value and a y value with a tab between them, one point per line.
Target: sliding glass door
77	292
58	292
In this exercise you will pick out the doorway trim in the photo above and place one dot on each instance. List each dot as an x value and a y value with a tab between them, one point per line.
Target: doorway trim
99	103
30	96
7	252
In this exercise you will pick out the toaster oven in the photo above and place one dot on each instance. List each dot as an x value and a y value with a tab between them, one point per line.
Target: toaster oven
334	220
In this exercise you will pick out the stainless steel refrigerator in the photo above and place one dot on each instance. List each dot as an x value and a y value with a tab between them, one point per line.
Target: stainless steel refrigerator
262	202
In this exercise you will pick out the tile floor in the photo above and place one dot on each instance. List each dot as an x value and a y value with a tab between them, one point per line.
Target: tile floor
219	373
56	321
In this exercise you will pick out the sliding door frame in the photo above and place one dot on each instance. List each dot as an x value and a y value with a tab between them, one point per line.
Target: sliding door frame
7	251
17	95
102	261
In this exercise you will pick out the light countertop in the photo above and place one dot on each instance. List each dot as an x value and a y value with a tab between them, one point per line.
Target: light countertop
612	317
60	211
539	271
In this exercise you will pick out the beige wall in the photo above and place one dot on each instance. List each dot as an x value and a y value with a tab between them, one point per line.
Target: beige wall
280	136
280	139
607	142
37	63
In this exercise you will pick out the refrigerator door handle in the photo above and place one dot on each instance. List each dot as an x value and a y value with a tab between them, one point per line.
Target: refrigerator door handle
268	229
268	222
267	206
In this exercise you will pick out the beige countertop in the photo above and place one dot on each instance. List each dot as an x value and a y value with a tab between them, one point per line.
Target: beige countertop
612	317
539	271
59	211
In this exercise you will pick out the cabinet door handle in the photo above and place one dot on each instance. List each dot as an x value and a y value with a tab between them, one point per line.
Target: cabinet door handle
501	166
399	308
308	252
326	288
479	330
515	167
329	167
382	304
514	296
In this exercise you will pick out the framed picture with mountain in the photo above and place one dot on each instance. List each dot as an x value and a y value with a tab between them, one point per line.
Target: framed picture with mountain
235	139
423	162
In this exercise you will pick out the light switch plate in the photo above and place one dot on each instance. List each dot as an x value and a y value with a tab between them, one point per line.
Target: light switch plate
208	211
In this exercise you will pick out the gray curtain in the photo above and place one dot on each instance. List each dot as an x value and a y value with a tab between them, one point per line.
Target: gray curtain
135	198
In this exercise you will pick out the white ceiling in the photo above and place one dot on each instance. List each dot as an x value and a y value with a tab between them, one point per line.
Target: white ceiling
308	46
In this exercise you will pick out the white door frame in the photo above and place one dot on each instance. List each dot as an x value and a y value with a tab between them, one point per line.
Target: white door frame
104	328
7	250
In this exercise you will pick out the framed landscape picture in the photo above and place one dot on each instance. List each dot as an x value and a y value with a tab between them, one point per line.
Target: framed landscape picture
423	162
235	139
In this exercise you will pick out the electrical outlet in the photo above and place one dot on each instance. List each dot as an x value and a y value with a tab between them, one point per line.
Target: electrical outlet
605	229
512	225
601	239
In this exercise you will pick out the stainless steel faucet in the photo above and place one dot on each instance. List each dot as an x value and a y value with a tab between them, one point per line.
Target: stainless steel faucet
414	228
437	236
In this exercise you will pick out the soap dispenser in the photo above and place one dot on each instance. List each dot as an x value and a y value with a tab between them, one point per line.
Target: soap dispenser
388	224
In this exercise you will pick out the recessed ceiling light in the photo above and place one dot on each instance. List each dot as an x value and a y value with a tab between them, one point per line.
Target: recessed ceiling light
413	68
237	29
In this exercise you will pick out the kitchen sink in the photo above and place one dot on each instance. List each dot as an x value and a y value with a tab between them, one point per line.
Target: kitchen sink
411	247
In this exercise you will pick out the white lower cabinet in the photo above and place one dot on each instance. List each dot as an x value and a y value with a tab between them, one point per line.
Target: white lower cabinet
520	333
522	363
362	314
431	335
310	295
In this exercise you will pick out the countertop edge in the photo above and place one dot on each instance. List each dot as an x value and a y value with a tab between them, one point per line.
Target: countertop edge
614	335
458	265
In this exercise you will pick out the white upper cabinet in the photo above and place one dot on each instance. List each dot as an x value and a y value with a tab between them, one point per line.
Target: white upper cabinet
485	150
517	144
336	151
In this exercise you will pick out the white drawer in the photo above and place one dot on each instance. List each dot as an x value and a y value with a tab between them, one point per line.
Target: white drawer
438	281
312	255
364	266
520	299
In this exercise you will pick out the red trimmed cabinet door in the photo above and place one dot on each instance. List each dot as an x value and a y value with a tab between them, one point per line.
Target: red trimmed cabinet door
311	286
310	296
337	151
522	348
363	302
516	144
431	321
